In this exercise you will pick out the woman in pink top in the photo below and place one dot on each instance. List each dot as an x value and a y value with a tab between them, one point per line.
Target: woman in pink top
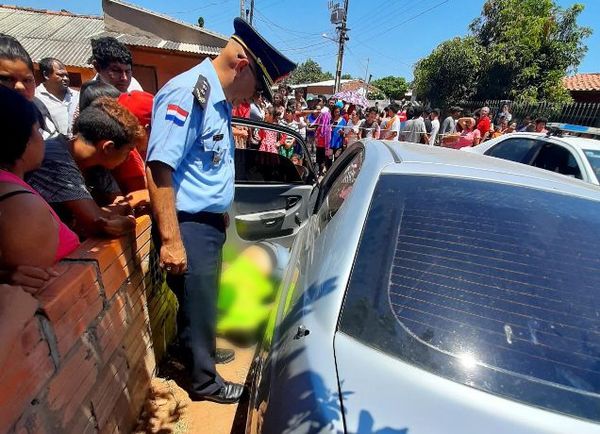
32	237
469	135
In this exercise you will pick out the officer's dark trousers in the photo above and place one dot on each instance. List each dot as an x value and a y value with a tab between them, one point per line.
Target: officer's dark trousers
203	236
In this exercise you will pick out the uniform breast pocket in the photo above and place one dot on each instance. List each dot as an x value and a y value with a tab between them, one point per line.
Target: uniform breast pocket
216	150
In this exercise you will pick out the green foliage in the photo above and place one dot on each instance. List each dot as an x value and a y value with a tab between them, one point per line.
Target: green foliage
392	87
346	77
450	72
519	50
309	72
200	21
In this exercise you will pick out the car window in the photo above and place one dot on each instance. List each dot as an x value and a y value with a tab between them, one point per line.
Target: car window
517	149
486	284
556	158
253	166
338	188
270	155
594	159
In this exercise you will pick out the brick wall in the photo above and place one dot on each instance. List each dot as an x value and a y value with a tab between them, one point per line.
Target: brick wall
78	358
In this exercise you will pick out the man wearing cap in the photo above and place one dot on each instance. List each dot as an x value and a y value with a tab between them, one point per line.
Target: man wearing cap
191	181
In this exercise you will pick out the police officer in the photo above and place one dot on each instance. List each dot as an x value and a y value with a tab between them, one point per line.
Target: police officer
191	183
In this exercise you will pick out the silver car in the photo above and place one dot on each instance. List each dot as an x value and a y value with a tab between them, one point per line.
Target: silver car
434	291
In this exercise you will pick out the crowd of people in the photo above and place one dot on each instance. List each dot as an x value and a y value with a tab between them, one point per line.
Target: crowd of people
331	125
81	163
72	162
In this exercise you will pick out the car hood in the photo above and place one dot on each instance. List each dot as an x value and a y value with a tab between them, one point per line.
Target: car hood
384	395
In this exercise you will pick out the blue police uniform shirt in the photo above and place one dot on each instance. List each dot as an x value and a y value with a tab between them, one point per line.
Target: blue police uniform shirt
196	142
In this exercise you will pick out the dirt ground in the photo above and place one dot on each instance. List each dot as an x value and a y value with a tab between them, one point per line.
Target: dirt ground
169	410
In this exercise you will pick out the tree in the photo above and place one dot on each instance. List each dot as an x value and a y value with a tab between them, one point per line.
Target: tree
392	87
521	50
346	77
200	21
309	72
450	73
530	46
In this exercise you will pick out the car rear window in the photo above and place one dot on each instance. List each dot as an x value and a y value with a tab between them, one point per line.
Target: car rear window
490	285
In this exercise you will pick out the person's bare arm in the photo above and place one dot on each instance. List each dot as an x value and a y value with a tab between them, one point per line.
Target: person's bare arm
160	186
92	220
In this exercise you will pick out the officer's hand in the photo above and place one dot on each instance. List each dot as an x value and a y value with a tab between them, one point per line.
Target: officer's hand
173	258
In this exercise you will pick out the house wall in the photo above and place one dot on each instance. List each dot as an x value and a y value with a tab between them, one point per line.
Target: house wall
166	64
79	357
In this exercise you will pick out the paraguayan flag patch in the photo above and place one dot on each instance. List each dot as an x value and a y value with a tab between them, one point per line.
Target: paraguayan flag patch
176	114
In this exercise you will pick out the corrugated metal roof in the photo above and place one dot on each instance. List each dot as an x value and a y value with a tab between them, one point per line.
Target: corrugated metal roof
67	36
142	41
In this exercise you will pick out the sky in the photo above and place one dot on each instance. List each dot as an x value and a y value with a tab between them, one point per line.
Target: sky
387	37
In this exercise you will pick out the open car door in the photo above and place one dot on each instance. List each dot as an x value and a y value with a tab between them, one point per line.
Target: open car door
272	193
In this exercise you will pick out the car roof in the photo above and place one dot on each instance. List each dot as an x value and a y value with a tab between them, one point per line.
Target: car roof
580	142
433	160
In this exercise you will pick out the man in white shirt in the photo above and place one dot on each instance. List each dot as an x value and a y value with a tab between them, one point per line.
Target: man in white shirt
55	94
435	126
392	124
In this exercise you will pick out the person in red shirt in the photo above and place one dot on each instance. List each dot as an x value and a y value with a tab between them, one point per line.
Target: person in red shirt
485	123
131	174
240	134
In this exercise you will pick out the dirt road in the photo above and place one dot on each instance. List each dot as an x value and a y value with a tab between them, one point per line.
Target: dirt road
169	410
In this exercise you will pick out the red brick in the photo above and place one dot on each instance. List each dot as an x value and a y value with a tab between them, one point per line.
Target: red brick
82	422
75	282
101	250
79	318
24	374
142	224
112	382
76	377
17	307
112	328
31	423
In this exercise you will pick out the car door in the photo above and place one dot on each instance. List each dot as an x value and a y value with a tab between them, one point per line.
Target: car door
282	349
271	192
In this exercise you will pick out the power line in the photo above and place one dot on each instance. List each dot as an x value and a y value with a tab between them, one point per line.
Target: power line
283	28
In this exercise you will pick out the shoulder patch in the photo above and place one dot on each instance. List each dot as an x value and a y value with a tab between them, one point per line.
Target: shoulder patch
201	91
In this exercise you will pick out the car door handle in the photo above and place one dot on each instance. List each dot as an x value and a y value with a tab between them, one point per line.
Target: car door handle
292	201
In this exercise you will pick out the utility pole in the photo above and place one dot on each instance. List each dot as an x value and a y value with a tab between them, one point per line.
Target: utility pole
366	75
343	38
251	11
242	10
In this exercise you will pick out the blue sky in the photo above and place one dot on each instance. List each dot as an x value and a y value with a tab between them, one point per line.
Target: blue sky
391	34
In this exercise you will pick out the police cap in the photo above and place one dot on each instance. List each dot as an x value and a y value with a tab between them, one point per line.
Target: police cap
271	65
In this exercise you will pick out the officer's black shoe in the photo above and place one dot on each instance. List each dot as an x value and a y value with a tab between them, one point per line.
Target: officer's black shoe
224	356
230	393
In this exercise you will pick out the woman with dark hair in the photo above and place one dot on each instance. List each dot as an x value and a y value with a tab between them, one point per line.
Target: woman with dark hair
16	72
32	237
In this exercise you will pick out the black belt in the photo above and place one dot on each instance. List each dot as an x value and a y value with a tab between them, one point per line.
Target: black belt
217	220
